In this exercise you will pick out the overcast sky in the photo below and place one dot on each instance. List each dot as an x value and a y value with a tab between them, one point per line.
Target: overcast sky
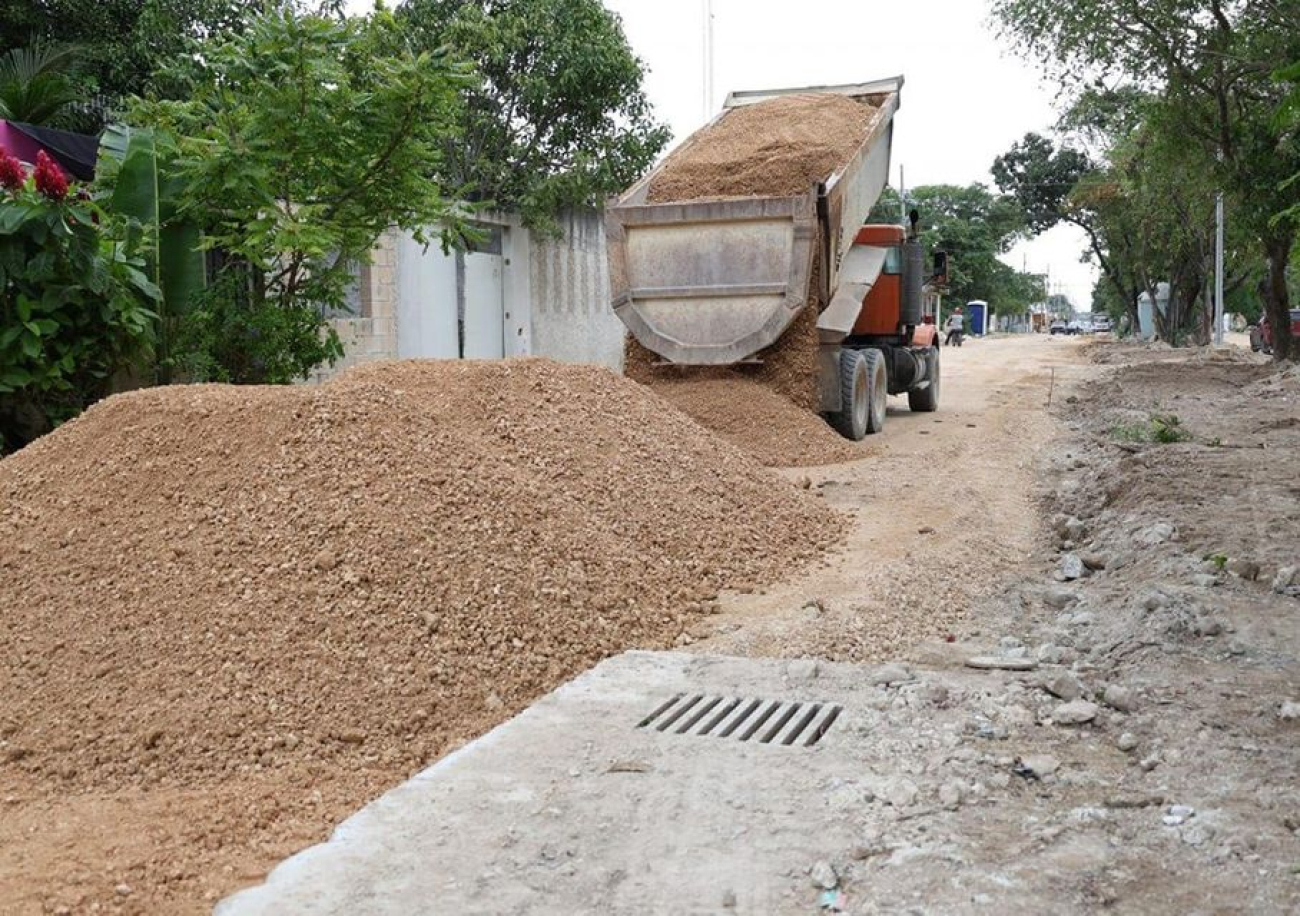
965	100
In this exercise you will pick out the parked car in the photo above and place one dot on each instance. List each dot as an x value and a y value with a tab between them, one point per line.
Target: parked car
1059	327
1102	324
1261	334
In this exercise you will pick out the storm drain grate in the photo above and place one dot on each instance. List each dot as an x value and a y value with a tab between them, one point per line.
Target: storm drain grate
765	721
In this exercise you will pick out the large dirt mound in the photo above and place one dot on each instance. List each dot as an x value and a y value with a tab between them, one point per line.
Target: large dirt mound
774	148
201	581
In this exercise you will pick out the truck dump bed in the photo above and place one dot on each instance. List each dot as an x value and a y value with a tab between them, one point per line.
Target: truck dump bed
713	281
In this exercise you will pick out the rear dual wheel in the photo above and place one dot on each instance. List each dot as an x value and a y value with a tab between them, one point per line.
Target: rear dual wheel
864	386
926	400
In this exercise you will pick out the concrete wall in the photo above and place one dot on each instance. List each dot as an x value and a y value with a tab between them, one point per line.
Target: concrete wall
556	297
572	317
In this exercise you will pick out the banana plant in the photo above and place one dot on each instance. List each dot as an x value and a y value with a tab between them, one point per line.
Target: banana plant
139	176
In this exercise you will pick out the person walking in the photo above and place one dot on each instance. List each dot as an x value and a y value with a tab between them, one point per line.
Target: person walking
955	326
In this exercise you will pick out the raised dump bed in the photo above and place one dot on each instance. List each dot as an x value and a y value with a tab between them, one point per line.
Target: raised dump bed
713	280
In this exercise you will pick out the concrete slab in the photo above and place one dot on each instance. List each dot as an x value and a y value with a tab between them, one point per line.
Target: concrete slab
571	807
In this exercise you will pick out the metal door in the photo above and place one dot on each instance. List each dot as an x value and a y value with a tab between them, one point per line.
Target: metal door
481	283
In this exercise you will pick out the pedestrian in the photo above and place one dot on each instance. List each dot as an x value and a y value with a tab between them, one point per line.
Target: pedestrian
955	325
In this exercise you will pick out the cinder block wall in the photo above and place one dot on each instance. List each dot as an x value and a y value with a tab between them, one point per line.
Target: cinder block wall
371	333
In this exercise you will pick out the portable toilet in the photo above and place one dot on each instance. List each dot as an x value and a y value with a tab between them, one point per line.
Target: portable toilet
977	312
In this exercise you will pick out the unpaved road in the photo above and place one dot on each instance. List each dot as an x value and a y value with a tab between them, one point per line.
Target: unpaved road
941	509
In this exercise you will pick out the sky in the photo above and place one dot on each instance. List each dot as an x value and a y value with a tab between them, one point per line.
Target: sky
965	100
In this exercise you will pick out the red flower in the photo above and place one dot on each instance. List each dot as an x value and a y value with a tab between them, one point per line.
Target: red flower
11	171
50	179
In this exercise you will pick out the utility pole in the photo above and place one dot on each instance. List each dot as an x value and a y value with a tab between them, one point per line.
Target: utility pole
708	61
1218	269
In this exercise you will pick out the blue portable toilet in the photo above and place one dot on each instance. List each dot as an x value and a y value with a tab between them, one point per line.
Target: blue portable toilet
977	312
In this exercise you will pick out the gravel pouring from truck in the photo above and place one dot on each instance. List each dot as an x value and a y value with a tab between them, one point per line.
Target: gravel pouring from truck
713	281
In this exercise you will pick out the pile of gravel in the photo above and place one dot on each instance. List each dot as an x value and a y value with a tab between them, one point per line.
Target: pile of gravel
774	148
205	580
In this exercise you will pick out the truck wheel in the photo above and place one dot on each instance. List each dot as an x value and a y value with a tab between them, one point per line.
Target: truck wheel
926	400
878	389
855	407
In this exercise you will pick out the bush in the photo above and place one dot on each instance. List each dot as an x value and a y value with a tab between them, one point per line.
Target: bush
232	336
75	306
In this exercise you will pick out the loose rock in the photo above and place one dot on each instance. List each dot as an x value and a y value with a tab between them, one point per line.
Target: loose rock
1075	713
1119	697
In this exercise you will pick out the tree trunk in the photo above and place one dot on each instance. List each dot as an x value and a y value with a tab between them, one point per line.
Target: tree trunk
1277	305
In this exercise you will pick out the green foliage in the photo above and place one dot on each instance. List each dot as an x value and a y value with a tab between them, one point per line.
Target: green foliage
230	335
123	43
974	226
559	119
37	84
1287	120
74	309
1207	69
1161	429
139	177
303	140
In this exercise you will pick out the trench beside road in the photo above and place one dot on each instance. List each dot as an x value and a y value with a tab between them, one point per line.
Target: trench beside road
941	510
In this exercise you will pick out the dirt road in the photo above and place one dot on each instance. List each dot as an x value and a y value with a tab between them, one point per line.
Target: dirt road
941	510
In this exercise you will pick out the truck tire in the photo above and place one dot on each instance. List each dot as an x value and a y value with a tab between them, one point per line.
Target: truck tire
855	402
878	389
926	400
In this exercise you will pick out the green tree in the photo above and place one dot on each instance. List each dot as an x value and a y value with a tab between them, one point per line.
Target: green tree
123	43
38	84
559	118
1211	64
302	140
974	226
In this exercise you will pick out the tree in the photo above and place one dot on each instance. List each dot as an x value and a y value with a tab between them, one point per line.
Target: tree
974	226
302	140
37	84
123	43
559	119
1212	62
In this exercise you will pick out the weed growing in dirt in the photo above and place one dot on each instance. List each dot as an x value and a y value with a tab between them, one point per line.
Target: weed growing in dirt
1162	429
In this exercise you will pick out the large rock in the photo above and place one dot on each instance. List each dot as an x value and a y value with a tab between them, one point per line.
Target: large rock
1243	569
1060	598
1077	712
1120	697
1154	534
1064	685
1071	567
1285	578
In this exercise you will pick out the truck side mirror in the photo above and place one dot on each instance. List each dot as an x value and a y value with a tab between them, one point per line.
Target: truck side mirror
940	277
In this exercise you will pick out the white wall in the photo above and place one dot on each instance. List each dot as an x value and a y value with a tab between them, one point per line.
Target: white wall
555	298
572	317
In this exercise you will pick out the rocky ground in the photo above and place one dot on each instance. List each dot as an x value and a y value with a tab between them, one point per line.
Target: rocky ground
1128	741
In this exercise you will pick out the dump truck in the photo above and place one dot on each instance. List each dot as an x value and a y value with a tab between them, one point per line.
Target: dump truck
716	281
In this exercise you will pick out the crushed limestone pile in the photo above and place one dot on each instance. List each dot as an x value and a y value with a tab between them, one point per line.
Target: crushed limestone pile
777	147
205	580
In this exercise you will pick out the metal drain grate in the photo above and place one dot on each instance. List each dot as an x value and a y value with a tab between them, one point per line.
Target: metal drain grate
765	721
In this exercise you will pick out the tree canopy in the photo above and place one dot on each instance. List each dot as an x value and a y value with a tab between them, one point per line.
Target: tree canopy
1208	68
301	140
975	226
559	118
